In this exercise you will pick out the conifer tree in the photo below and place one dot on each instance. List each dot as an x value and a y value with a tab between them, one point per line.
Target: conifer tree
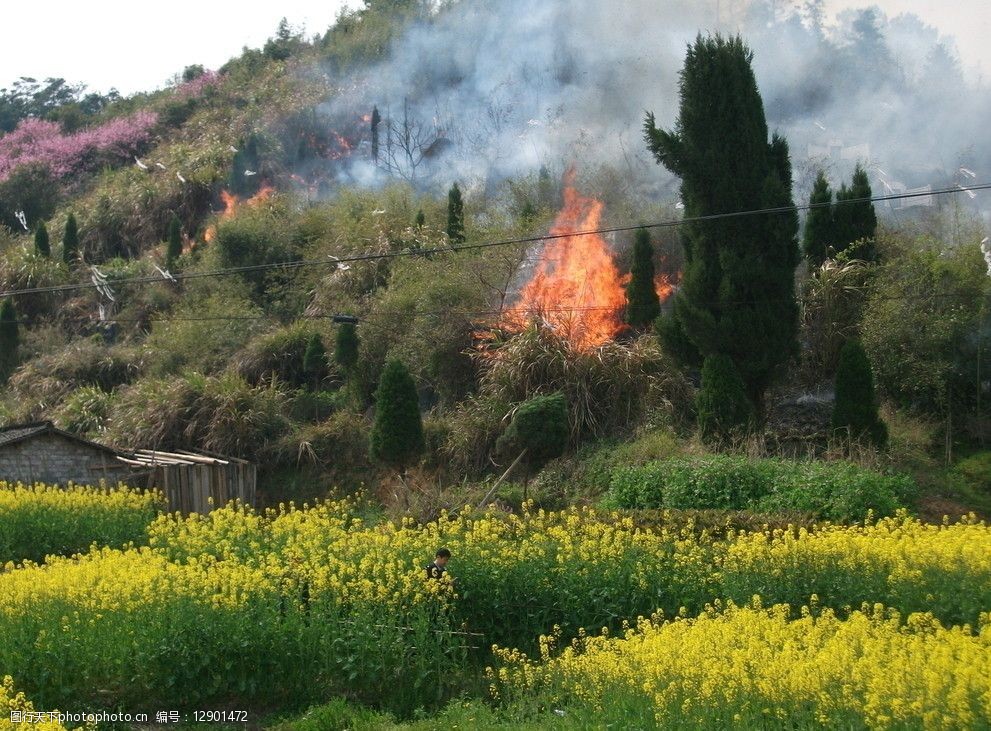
819	227
855	218
642	303
397	434
376	119
346	346
737	296
70	242
9	338
855	411
455	216
173	249
421	219
722	407
41	243
315	360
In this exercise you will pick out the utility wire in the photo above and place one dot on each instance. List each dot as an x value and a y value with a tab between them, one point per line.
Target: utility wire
492	312
377	256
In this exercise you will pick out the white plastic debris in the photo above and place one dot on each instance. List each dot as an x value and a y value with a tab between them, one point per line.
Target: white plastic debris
378	212
160	165
166	274
179	175
22	219
968	191
139	163
232	148
249	173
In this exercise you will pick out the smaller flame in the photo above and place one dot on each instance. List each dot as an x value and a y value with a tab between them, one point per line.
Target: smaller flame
232	202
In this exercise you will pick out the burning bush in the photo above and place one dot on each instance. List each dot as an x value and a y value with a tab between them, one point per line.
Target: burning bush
608	389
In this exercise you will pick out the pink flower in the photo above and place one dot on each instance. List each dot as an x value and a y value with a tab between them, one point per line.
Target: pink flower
41	142
198	85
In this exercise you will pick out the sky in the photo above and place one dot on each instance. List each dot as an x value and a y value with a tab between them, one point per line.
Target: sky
139	46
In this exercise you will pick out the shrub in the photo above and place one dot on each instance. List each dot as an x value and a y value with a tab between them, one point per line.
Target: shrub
829	490
38	141
608	390
722	404
46	382
315	360
31	188
277	354
539	426
201	336
84	411
855	413
258	235
223	414
397	436
337	444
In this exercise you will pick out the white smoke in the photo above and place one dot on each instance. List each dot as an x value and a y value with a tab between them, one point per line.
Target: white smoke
511	85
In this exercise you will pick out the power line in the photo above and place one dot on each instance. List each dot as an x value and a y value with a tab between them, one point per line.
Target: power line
491	312
378	256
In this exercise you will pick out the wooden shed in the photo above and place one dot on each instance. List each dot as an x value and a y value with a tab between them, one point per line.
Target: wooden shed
190	479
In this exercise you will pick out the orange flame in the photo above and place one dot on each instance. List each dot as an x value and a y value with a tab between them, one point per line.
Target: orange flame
232	202
576	288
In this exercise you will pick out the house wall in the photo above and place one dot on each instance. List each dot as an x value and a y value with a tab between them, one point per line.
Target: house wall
52	459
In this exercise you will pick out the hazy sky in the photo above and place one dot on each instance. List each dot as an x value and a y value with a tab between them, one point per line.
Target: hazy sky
137	46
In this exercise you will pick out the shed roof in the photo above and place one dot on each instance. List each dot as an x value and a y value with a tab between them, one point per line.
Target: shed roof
20	432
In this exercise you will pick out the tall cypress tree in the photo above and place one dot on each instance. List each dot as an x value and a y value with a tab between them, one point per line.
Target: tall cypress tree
397	434
722	406
376	119
455	215
855	411
70	242
856	219
819	223
346	347
315	360
420	219
173	249
9	338
642	303
41	243
737	296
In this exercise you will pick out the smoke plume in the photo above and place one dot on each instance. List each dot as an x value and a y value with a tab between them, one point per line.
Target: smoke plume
487	90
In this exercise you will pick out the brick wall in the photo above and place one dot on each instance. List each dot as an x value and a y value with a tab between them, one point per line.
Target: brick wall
51	458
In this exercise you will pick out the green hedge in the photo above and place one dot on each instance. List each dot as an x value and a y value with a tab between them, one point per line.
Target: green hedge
828	490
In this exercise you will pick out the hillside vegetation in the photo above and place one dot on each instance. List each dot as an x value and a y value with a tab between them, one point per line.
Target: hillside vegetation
761	439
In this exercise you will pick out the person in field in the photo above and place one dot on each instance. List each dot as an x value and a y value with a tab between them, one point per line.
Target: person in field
437	567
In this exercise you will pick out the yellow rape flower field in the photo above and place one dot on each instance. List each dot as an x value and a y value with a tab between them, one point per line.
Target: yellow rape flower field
300	605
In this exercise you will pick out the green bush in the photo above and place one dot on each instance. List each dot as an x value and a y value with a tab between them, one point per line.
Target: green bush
540	426
976	470
277	354
201	336
855	413
85	411
722	405
222	414
828	490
